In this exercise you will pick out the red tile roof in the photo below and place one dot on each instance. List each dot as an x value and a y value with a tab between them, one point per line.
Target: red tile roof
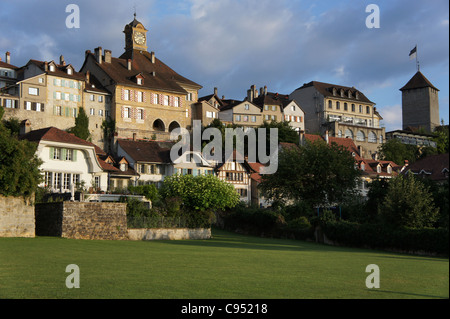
433	167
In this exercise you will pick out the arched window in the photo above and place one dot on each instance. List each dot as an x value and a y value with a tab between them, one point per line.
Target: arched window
330	104
360	136
372	137
340	133
348	133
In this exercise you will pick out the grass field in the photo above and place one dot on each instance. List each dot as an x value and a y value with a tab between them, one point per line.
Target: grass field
227	266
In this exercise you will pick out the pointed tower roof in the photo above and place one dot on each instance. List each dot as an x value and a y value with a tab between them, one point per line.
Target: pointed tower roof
418	81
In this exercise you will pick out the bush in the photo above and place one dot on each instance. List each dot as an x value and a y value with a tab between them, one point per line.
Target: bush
380	236
253	220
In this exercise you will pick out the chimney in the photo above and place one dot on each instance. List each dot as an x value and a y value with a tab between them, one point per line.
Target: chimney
129	64
250	95
215	91
327	139
107	56
152	56
88	76
46	66
61	60
8	57
99	55
86	53
25	127
265	89
261	91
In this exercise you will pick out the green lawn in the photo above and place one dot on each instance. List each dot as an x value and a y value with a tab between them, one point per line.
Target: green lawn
227	266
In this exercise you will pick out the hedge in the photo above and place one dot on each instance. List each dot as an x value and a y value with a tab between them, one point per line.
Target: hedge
379	236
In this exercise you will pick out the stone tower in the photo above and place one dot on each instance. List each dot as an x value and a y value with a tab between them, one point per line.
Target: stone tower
420	103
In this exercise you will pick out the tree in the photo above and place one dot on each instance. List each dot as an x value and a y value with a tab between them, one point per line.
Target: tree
317	173
19	166
408	203
286	133
81	128
200	193
394	150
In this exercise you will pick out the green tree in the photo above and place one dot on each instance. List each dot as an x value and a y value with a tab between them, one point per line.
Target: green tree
200	193
394	150
81	128
317	173
408	203
19	166
286	133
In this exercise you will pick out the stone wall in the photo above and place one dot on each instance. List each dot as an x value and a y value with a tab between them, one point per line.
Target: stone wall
80	220
169	233
16	217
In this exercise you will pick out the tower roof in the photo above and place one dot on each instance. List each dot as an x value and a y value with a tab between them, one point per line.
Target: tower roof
418	81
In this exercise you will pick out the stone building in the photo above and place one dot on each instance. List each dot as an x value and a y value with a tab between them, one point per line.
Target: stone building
148	98
343	112
420	104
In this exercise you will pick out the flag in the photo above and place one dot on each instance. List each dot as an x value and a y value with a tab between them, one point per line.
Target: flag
413	53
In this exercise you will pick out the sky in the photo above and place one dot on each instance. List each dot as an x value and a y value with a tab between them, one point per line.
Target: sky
233	44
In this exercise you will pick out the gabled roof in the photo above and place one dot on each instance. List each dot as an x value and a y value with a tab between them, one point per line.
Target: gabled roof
418	81
147	151
326	89
434	165
7	65
60	69
54	134
158	76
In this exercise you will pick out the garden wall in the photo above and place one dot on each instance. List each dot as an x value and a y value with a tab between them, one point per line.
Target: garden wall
169	233
16	217
82	220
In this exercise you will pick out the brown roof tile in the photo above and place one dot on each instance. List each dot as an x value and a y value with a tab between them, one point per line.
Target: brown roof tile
418	81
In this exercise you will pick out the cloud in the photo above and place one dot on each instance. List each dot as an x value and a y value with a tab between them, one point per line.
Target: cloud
392	117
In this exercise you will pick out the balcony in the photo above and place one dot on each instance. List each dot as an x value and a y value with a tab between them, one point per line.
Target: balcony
351	121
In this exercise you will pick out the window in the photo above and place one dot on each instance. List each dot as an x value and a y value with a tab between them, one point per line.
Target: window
76	179
353	108
126	95
238	118
360	109
58	110
209	114
100	113
126	112
245	118
33	91
166	100
330	104
139	81
97	181
274	107
66	181
52	68
176	102
41	80
266	107
266	117
56	153
247	107
155	98
69	155
368	109
274	117
140	96
253	119
345	107
348	133
91	97
389	170
57	180
338	105
48	179
372	137
140	114
92	111
28	106
100	98
360	136
69	71
379	169
188	97
293	108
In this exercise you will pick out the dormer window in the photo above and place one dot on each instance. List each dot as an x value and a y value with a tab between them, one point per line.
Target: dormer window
69	71
389	170
357	95
350	94
139	81
52	68
123	167
379	169
342	92
334	91
363	167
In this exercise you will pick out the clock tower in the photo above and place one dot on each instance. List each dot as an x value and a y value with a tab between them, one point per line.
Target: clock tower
135	36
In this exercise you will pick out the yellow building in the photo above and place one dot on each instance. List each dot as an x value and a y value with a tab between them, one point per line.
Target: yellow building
343	112
149	99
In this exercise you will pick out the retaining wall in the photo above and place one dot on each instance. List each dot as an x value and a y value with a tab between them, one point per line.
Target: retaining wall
16	217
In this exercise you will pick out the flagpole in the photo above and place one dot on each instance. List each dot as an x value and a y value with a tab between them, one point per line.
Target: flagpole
417	60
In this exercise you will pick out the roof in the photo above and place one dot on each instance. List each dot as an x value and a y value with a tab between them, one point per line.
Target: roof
326	89
418	81
147	151
7	65
157	76
54	134
434	166
60	69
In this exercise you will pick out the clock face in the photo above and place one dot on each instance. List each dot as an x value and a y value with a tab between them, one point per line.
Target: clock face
139	38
